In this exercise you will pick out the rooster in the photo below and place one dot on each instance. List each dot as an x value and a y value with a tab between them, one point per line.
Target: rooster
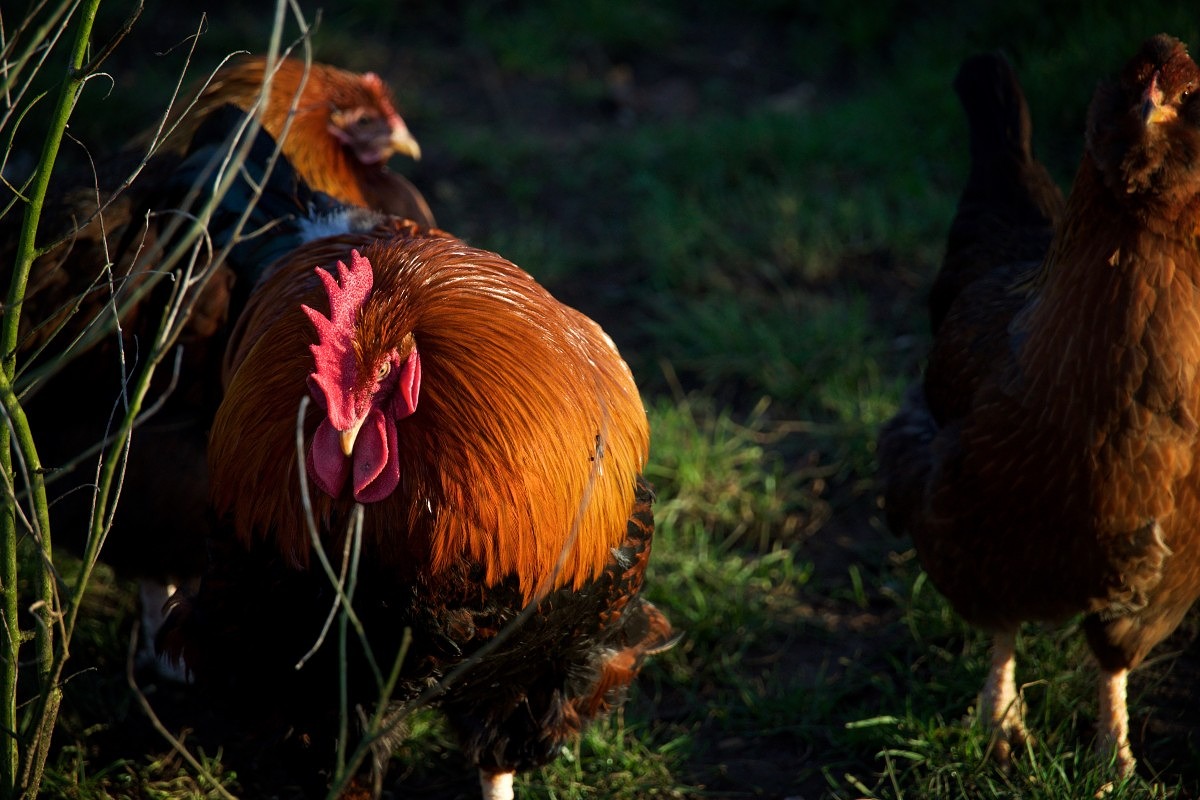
494	441
344	129
1047	467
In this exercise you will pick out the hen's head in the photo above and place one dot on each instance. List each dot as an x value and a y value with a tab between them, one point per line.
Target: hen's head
1144	126
365	121
364	382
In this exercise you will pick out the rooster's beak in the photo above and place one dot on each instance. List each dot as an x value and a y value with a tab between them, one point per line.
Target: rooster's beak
402	142
348	437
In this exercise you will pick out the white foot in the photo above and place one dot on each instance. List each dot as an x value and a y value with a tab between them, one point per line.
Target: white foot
1113	724
1000	707
496	785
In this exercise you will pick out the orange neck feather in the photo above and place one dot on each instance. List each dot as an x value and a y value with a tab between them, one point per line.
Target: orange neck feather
500	465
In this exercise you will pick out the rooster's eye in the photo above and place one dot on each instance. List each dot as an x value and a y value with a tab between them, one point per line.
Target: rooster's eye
383	370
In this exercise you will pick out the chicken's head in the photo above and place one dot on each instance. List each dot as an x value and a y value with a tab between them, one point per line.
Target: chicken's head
363	384
1144	126
366	122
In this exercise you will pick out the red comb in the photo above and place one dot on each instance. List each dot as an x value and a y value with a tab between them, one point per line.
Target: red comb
334	370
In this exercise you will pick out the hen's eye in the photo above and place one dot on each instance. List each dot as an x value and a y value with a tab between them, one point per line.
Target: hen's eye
383	370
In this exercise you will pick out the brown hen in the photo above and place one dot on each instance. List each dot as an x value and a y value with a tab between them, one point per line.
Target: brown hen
343	130
1047	467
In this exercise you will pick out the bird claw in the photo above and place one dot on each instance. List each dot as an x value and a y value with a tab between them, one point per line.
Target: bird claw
1000	705
1120	753
1009	735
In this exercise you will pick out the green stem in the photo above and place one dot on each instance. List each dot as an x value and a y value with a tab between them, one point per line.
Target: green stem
46	712
9	747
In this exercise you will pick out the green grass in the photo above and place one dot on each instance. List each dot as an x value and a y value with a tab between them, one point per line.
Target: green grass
761	256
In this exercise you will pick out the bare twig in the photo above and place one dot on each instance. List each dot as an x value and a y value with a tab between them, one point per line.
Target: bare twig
117	38
144	702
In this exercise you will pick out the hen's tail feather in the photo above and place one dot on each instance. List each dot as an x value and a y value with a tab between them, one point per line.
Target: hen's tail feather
905	453
1010	205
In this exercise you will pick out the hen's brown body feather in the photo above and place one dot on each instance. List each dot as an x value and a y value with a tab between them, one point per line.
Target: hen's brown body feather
1048	466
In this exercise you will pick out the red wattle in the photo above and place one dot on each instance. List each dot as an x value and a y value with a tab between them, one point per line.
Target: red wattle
376	468
327	467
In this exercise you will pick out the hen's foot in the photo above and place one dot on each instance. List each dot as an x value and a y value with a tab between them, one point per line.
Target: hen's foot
1000	707
1113	723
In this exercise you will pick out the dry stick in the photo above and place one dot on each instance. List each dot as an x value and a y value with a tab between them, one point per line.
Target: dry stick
92	333
117	38
340	583
144	702
314	536
343	652
182	303
45	39
231	163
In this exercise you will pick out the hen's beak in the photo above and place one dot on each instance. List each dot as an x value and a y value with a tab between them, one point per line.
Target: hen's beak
402	142
349	436
1152	108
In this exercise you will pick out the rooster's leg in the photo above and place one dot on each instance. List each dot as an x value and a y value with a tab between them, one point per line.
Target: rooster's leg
496	785
1114	721
1000	706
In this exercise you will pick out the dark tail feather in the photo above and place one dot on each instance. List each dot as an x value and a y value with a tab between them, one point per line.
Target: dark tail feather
652	634
266	183
1010	205
905	453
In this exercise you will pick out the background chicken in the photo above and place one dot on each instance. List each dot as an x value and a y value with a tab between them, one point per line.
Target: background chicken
495	440
1047	468
342	132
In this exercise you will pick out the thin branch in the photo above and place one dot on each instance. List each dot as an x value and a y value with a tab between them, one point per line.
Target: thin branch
94	65
69	466
314	536
175	743
333	609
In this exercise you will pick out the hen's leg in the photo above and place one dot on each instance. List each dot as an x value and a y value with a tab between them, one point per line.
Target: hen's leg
999	705
496	785
1114	720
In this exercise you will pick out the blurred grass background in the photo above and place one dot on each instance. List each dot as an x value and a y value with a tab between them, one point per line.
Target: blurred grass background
751	198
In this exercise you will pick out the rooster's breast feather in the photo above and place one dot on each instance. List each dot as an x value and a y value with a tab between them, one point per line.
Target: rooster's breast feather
528	418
